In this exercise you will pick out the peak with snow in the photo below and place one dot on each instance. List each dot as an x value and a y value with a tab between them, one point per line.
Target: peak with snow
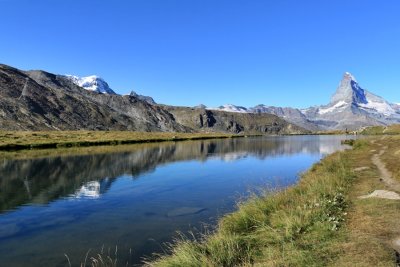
349	91
231	108
97	84
352	106
348	75
350	94
92	83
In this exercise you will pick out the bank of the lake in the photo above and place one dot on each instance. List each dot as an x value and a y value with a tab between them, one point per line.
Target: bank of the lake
321	221
19	140
28	140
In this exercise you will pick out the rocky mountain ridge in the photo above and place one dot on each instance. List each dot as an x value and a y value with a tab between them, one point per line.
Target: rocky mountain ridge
38	100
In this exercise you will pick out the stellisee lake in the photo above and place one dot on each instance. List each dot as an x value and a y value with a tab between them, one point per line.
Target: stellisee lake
137	197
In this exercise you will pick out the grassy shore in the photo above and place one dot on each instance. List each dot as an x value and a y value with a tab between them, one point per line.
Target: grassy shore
321	221
12	140
382	130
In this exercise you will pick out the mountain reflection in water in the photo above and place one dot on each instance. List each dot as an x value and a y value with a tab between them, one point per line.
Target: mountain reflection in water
43	180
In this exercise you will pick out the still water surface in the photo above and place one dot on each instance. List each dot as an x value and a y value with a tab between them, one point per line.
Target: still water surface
137	199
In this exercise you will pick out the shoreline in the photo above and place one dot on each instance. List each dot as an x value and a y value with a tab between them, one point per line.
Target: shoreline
17	141
12	141
36	144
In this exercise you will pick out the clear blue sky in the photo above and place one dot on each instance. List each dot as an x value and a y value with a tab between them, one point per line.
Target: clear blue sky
187	52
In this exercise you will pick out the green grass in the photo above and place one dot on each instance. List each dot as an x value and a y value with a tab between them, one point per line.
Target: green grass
374	130
299	226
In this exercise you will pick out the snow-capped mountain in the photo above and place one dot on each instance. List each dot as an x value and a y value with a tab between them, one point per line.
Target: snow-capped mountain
231	108
351	107
92	83
97	84
349	92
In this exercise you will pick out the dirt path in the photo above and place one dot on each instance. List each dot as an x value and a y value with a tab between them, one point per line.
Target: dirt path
385	174
386	177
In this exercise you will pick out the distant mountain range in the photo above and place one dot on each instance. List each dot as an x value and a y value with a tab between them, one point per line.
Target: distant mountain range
38	100
351	107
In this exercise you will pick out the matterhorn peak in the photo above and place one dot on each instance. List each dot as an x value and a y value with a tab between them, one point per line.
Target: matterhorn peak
348	76
349	91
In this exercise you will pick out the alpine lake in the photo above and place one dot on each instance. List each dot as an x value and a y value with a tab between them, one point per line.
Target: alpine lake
131	200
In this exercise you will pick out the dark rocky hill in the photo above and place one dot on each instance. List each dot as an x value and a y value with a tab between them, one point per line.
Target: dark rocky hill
37	100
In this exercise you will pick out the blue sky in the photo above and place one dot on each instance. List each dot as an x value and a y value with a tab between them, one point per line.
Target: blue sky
187	52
